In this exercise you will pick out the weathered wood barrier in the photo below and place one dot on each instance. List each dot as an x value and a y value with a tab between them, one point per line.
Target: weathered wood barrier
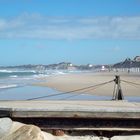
100	116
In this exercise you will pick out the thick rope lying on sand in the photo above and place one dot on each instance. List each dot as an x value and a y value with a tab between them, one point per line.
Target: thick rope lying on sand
10	130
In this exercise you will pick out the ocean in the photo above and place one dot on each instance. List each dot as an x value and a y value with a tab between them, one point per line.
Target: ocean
17	84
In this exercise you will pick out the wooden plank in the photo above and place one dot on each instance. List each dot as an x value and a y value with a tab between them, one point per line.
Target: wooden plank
73	114
85	128
76	109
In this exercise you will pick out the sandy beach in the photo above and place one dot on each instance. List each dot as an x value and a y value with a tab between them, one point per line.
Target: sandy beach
68	82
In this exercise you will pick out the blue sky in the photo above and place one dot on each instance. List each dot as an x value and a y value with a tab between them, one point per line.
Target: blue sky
77	31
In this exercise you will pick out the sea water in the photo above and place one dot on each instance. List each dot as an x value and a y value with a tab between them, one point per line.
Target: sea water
18	85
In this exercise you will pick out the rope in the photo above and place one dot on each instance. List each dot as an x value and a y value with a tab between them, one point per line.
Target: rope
80	93
58	94
130	82
136	86
71	96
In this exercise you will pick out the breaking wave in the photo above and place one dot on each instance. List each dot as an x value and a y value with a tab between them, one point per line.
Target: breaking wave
8	86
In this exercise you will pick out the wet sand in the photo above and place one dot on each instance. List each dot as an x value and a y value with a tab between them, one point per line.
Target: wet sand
68	82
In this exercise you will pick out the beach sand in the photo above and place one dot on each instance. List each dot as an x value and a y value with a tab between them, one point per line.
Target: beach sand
69	82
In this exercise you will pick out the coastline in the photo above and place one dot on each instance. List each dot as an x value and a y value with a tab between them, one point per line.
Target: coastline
73	81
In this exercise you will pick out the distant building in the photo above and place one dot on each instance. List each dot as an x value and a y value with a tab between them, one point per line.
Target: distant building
71	67
128	65
90	65
103	68
137	59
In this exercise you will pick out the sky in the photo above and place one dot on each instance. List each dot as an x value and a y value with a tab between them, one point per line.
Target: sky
76	31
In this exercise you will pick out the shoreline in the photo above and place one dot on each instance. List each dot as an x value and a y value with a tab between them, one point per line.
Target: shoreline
73	81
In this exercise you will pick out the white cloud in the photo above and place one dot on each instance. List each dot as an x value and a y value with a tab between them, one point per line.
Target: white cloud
35	26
